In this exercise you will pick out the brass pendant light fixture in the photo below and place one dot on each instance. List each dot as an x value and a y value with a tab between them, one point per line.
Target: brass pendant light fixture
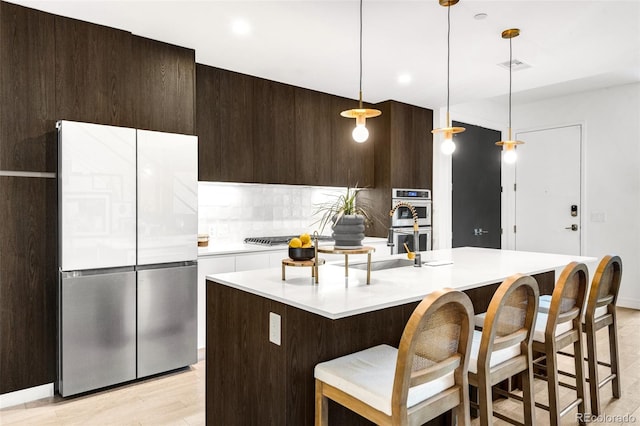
509	146
360	133
447	147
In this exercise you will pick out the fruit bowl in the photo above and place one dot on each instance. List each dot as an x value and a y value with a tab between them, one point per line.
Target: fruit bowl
301	253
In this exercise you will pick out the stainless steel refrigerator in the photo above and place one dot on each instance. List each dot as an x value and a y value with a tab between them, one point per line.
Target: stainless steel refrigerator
128	251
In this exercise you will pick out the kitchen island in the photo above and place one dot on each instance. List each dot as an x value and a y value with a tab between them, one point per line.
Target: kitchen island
250	379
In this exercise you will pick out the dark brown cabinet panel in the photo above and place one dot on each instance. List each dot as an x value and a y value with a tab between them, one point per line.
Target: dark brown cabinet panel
313	116
165	86
412	146
274	148
93	70
256	130
224	125
352	162
207	127
27	282
27	94
403	155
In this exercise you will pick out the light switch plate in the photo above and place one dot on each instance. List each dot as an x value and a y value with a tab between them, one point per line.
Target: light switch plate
275	323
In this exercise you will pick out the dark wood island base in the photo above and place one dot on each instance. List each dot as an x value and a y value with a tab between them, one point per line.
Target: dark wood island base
250	380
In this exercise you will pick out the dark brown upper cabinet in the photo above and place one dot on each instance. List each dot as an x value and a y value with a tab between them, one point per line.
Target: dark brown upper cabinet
27	91
256	130
352	162
164	88
224	125
313	118
274	148
93	70
411	143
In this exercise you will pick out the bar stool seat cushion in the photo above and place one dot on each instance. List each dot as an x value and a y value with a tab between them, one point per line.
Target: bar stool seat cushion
545	304
368	375
497	357
541	326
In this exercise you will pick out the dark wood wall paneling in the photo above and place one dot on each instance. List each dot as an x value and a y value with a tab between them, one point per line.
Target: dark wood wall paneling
27	282
54	68
27	205
27	91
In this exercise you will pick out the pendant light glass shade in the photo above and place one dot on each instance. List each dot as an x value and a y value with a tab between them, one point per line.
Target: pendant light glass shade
360	133
448	146
509	146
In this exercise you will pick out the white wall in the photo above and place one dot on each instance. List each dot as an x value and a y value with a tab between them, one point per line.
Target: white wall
611	140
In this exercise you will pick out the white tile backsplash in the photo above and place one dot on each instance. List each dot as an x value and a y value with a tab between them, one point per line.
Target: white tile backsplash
230	212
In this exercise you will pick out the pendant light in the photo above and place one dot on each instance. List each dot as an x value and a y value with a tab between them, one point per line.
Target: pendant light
360	133
509	146
447	147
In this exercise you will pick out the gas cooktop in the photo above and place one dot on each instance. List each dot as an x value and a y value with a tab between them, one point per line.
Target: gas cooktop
279	240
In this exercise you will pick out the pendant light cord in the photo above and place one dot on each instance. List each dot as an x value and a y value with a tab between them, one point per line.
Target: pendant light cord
360	93
510	65
448	55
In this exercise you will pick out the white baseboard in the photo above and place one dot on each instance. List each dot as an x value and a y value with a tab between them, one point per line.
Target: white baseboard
23	396
625	302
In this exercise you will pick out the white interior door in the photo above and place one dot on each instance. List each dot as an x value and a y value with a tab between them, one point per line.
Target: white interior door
548	185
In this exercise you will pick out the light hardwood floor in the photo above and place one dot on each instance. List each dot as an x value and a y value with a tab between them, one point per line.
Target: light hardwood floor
179	398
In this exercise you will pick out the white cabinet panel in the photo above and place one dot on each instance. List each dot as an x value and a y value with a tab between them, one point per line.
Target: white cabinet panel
97	173
167	197
275	259
248	262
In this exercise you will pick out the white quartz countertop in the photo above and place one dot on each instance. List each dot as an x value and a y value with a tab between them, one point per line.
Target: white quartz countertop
216	248
331	298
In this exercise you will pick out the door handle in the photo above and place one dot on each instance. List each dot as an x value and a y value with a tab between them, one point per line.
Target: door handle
573	227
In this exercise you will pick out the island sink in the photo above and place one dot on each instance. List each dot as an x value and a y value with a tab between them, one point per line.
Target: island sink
380	265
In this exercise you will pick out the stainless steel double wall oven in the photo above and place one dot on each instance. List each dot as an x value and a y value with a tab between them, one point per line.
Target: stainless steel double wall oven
402	220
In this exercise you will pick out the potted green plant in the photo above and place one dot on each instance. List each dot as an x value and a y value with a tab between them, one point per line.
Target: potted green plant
348	219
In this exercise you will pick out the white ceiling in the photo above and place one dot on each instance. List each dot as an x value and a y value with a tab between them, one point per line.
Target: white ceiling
570	45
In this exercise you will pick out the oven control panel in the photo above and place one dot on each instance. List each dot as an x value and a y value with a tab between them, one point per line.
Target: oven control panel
419	194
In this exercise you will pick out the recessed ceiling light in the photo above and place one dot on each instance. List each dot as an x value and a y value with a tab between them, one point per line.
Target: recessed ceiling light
404	78
241	27
480	16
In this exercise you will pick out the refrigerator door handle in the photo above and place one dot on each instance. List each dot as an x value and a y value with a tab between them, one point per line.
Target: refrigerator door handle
167	265
99	271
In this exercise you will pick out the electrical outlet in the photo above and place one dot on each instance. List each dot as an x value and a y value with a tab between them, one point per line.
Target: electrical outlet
275	323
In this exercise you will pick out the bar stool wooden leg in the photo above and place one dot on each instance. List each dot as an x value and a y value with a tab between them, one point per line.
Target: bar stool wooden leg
594	379
615	359
580	379
552	386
